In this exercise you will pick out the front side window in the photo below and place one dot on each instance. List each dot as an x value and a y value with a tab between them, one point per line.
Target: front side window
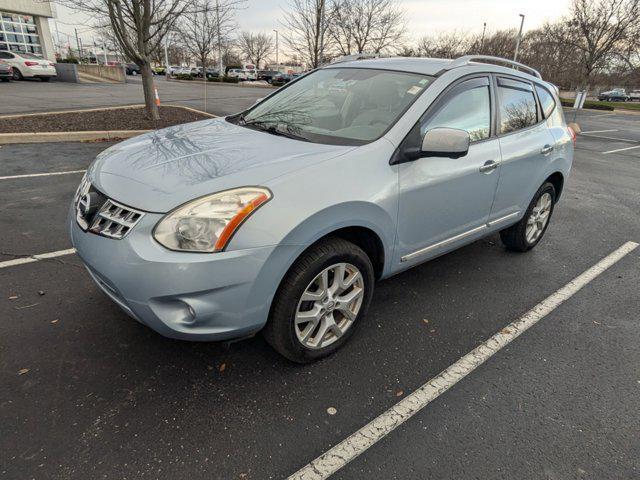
348	106
469	110
518	107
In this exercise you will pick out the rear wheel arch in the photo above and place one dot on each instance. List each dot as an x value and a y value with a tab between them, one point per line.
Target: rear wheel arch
557	180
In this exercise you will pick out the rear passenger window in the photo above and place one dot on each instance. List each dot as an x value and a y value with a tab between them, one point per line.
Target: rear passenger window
546	101
518	107
470	110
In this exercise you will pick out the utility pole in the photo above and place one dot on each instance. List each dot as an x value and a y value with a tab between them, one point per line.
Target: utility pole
277	62
166	56
322	8
484	29
221	67
515	55
78	44
104	51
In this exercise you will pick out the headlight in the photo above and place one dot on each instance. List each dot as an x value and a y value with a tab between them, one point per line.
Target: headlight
208	223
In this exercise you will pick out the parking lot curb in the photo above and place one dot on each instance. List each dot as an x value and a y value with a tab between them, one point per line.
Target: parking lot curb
46	137
100	109
626	111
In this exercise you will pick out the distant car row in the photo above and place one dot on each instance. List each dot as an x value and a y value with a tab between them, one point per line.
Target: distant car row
247	73
16	66
619	95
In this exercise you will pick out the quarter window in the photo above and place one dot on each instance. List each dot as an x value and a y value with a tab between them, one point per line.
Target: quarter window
469	110
546	101
518	107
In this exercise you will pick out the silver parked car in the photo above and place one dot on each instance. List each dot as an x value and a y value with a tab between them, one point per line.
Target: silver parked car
281	218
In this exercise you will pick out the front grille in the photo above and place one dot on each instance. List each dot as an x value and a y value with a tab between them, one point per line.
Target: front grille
114	220
101	215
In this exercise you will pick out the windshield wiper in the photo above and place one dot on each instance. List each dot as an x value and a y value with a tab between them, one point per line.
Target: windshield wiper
273	129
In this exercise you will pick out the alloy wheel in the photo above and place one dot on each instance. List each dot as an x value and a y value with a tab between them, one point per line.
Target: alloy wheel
539	217
329	305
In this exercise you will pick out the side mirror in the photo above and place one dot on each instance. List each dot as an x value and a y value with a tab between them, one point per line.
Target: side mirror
445	142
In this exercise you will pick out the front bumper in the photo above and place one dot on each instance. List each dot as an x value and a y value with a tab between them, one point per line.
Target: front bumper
187	296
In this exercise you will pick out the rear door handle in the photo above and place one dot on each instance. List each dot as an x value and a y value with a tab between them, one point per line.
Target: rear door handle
488	167
547	149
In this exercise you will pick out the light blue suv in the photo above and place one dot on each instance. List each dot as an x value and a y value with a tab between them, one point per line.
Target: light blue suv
281	218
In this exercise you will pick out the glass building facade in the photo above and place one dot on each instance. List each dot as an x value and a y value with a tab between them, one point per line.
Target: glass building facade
19	33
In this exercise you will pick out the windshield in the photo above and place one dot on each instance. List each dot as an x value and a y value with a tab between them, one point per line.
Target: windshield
348	106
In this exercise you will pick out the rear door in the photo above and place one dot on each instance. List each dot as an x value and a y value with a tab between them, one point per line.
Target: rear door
525	143
444	202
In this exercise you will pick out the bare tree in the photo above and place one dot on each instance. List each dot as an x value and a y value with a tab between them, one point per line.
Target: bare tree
139	26
600	30
199	30
256	47
307	31
225	11
358	26
444	45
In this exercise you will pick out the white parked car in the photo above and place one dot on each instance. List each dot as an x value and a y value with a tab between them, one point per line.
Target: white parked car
28	65
183	71
634	96
237	73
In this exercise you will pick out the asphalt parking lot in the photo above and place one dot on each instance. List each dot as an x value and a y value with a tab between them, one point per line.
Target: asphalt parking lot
86	392
34	96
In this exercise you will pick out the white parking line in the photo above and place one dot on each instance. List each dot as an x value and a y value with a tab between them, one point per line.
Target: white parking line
36	258
600	131
612	138
30	175
338	456
621	149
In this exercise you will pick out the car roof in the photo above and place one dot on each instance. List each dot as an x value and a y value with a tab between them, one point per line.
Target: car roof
426	66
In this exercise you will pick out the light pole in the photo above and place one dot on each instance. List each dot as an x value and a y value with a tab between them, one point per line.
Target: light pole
277	62
166	57
515	55
484	29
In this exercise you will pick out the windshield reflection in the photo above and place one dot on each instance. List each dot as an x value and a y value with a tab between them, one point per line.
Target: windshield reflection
338	105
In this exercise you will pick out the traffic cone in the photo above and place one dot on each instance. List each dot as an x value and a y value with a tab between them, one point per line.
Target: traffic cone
155	89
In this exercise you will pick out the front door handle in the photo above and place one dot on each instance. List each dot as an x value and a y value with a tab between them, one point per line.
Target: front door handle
488	167
546	150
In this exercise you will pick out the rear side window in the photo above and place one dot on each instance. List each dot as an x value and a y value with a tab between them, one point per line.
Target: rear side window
546	100
518	108
470	110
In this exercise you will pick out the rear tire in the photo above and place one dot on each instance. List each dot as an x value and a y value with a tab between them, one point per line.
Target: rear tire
312	315
45	79
528	232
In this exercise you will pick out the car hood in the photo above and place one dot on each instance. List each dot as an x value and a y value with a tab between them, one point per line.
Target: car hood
160	170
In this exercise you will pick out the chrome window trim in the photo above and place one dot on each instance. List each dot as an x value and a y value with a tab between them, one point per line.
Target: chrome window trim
460	236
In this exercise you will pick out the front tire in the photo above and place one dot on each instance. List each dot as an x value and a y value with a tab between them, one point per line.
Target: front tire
321	300
526	234
17	75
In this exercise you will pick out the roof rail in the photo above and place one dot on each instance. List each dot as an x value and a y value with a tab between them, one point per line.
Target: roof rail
356	56
467	59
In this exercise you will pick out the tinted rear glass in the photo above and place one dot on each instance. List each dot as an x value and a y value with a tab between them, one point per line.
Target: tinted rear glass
517	109
546	100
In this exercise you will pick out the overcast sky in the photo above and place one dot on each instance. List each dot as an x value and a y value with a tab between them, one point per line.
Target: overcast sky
425	16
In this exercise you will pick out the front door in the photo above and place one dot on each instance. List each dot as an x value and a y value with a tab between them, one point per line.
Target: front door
444	202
